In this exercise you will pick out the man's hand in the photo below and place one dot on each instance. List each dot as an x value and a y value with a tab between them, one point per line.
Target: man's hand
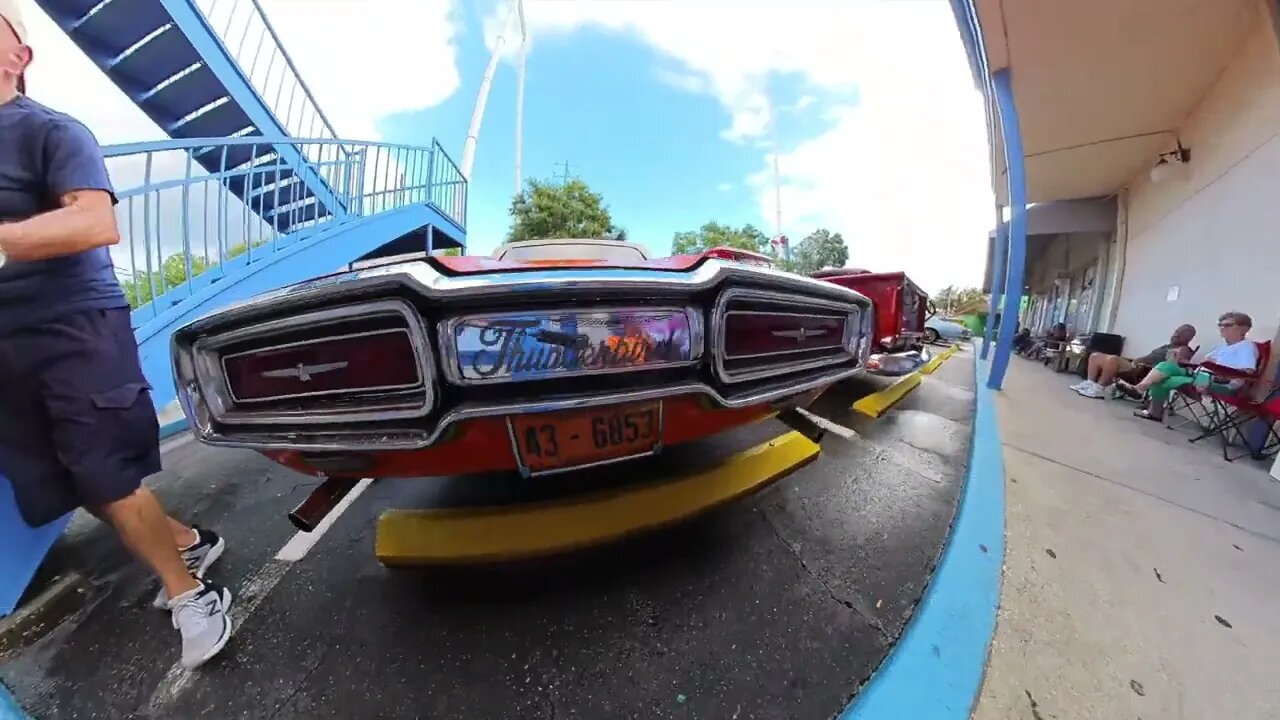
86	220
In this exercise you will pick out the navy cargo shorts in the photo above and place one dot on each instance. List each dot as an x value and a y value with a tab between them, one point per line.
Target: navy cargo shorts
77	425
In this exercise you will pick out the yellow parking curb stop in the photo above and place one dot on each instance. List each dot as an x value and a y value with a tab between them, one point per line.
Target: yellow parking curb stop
938	359
875	404
476	535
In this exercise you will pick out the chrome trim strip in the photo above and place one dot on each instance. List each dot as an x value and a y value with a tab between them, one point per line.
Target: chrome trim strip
449	360
527	473
327	338
408	438
720	314
422	278
197	367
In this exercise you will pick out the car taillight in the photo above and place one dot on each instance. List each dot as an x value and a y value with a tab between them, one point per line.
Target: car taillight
375	361
761	334
751	334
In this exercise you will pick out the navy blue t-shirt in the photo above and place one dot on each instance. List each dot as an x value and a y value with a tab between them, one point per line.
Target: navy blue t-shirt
44	155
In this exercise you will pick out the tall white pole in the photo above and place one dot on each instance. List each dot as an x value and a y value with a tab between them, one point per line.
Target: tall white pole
777	176
524	51
469	148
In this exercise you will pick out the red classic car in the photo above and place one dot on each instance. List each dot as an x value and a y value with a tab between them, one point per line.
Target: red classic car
901	307
549	356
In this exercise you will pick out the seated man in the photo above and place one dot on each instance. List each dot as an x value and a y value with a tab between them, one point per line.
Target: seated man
1053	340
1104	369
1239	353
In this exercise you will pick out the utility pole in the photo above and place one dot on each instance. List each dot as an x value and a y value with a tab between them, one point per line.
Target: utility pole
477	114
564	177
524	51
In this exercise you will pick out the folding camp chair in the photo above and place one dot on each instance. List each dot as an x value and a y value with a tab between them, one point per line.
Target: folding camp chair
1229	413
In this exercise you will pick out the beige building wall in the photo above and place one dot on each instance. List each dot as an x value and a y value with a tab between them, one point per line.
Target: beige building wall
1208	239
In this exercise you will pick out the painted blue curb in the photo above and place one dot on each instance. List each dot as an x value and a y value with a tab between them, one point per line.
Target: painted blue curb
936	670
173	428
9	709
24	548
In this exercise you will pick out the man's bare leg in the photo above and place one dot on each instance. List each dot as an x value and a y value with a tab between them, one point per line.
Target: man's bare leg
1110	366
145	529
1094	370
183	536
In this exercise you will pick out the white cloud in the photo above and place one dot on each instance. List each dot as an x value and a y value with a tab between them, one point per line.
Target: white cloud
725	187
902	173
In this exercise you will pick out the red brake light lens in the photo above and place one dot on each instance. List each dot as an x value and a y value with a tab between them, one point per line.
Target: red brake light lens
382	360
742	256
748	334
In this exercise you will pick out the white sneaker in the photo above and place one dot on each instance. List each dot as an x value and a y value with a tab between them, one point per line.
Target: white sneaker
201	616
198	556
1092	390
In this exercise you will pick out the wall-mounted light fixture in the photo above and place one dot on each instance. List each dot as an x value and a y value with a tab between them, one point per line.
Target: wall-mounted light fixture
1167	163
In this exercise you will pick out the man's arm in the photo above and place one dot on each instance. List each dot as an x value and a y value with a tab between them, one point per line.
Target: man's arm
74	173
85	221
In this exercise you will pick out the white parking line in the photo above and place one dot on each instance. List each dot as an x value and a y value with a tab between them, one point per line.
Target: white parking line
302	542
256	588
829	426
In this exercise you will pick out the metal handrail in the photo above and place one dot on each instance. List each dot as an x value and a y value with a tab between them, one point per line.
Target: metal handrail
235	22
185	225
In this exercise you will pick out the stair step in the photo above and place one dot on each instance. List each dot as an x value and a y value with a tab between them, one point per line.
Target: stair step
281	174
230	156
119	24
157	60
292	217
267	202
221	121
187	94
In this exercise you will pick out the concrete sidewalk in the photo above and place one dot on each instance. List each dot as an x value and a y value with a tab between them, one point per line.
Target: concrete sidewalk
1142	571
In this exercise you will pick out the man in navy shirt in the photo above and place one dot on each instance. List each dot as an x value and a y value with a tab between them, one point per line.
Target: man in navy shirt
77	424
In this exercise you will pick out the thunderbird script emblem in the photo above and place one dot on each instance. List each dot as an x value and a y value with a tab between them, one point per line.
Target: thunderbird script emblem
529	346
304	373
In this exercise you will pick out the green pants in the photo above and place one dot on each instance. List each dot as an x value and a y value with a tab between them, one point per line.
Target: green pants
1175	377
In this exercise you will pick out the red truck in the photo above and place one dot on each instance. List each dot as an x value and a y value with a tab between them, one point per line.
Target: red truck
901	307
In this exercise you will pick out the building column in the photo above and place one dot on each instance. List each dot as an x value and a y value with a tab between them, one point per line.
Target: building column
1016	259
999	250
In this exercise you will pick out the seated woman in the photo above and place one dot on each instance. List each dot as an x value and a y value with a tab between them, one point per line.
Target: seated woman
1238	353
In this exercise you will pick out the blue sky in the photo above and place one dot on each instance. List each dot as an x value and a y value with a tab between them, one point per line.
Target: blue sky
660	105
653	150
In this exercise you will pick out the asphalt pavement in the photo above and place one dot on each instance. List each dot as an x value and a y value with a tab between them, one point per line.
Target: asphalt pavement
777	606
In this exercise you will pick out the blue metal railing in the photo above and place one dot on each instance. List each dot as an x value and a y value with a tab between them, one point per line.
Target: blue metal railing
252	42
184	226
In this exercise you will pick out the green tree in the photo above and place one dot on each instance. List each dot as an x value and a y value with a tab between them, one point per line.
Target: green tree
548	210
821	249
172	272
952	300
713	234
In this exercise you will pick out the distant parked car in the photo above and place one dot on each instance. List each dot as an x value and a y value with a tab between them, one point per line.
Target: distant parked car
936	328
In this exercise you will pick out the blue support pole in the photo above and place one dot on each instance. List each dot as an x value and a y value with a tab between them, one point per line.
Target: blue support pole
1002	83
997	280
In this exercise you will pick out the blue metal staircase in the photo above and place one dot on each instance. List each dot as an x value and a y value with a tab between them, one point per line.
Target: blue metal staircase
254	191
174	59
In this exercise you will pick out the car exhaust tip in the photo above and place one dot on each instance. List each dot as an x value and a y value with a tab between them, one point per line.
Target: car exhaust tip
308	515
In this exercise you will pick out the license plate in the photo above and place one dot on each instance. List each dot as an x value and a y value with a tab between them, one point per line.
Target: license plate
555	441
